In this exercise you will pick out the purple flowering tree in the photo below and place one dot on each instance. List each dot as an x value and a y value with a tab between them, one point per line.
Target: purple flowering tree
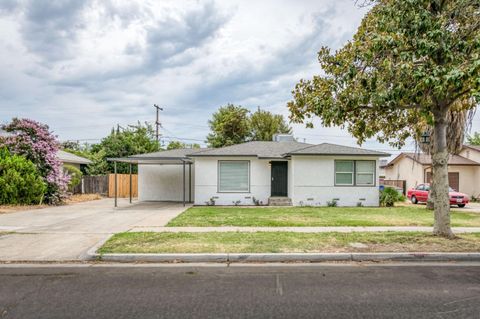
35	142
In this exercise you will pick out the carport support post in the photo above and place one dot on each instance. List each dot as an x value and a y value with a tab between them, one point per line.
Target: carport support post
189	182
183	183
130	170
115	183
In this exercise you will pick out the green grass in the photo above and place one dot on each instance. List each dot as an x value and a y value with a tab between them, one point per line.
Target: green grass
316	216
277	242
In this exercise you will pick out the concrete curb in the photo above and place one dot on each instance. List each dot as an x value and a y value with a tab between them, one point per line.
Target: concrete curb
91	254
291	257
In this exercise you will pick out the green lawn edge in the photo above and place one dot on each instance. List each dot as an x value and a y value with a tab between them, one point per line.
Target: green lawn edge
285	242
315	216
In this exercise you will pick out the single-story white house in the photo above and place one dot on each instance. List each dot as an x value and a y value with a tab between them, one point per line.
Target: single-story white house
281	172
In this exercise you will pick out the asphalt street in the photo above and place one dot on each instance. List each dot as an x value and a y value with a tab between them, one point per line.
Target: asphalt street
315	291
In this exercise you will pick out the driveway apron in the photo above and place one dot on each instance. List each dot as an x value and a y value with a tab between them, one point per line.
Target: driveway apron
65	233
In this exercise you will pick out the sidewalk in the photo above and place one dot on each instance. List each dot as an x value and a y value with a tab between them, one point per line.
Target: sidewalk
457	230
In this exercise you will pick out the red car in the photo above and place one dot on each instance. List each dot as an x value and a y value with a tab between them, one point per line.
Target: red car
420	194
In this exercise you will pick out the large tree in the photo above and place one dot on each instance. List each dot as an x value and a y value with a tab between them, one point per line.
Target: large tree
409	62
35	142
229	125
134	139
265	124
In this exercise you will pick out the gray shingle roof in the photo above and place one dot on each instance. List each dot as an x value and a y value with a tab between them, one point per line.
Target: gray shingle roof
66	157
334	149
426	159
176	153
261	149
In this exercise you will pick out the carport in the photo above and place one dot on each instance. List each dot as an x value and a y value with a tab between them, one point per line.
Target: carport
172	157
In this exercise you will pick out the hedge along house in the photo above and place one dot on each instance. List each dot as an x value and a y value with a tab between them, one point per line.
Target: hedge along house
280	172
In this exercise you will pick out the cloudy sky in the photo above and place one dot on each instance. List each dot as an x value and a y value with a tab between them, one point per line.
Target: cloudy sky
84	66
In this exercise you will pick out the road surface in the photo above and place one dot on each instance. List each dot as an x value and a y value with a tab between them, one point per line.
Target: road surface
313	291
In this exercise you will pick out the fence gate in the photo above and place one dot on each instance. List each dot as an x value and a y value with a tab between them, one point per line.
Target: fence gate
396	183
123	185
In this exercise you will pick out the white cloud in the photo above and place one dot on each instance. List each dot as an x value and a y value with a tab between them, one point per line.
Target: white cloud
83	66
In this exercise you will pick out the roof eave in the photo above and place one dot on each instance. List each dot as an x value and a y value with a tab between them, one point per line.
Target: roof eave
337	154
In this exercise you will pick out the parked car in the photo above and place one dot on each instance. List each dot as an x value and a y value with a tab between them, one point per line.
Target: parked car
419	194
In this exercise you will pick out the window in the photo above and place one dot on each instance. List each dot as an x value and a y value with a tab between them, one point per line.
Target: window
355	173
420	187
233	176
344	172
365	173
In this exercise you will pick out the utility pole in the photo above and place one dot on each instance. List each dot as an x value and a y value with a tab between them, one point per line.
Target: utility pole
157	121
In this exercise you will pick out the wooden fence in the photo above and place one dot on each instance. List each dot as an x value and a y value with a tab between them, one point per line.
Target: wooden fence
123	185
396	183
97	184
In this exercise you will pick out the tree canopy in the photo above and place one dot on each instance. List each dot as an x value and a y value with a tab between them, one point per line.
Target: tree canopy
265	124
177	144
474	139
35	142
409	63
229	125
233	124
134	139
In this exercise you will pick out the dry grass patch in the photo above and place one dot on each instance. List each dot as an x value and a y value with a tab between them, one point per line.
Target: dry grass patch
285	242
77	198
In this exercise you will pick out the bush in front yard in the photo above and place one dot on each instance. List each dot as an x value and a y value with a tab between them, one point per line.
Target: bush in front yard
75	176
389	196
20	181
35	142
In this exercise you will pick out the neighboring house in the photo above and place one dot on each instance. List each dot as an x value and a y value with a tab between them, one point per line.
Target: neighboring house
382	163
463	172
72	159
276	172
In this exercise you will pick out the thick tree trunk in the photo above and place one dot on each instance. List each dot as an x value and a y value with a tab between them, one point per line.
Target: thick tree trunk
440	176
430	203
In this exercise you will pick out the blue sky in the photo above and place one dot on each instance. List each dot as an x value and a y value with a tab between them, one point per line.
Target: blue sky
84	66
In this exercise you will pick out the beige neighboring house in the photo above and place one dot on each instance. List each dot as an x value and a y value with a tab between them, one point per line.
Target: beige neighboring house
72	159
414	169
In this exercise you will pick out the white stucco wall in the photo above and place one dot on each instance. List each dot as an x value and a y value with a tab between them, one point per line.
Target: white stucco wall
471	154
314	183
163	182
406	169
207	176
468	178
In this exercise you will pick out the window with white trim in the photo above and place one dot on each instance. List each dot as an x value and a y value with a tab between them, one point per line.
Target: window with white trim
365	173
344	172
233	176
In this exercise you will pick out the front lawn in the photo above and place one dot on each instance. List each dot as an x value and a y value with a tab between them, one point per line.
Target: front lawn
279	242
316	216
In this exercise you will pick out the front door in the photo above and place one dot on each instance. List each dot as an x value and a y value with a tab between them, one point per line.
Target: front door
280	179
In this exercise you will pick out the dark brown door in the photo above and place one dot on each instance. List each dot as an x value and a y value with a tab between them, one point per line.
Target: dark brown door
279	179
453	179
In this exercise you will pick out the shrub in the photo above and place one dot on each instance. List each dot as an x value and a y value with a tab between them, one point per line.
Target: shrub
20	181
75	176
389	196
36	143
332	203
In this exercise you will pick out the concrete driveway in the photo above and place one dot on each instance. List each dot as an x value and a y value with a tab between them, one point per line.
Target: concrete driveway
65	233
